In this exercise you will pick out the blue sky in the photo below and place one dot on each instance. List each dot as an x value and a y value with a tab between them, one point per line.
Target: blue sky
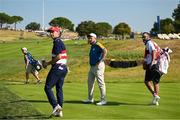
138	14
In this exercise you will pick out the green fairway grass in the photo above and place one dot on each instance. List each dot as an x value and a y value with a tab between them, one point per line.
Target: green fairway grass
127	96
14	107
125	101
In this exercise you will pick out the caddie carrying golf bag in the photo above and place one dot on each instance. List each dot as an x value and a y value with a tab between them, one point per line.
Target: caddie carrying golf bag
35	63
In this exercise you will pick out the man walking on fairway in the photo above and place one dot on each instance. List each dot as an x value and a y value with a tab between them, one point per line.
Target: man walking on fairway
152	52
29	65
57	72
97	66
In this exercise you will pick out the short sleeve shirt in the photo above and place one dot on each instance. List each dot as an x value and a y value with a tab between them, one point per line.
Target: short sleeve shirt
150	48
59	48
96	53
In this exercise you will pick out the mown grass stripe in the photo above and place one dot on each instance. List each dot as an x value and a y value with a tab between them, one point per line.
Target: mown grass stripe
13	107
125	101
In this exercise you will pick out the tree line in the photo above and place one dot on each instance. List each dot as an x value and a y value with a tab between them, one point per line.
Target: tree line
168	25
102	29
8	20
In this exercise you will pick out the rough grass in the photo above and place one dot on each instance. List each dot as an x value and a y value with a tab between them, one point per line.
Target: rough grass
10	35
12	64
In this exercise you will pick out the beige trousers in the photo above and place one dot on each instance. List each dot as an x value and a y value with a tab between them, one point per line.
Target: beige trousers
98	73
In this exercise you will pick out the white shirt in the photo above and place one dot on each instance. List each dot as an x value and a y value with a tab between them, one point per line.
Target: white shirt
150	47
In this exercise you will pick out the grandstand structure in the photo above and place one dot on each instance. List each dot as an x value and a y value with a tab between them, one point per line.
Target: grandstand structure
169	36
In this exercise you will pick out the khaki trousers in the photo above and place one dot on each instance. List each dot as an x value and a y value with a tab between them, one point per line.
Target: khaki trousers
98	73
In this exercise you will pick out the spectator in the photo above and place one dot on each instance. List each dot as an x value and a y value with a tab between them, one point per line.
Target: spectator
97	66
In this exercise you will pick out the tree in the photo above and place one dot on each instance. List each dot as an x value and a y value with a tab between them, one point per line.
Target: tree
10	20
166	26
85	27
154	30
16	19
33	26
6	19
176	16
122	29
62	22
103	29
3	19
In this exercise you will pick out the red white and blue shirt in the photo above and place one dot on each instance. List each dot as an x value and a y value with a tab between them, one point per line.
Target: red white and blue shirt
59	48
150	47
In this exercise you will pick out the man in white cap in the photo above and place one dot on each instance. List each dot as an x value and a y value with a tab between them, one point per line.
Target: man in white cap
97	66
28	66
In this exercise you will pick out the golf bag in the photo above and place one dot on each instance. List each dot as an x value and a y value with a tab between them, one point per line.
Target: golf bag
35	63
163	62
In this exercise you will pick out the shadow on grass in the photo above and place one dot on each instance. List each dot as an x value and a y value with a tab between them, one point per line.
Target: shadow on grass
33	101
109	103
73	101
25	117
22	83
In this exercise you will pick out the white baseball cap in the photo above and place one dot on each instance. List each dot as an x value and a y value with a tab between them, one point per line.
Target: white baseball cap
24	48
92	35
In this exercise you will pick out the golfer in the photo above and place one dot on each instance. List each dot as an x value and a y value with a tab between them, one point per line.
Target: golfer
57	72
97	66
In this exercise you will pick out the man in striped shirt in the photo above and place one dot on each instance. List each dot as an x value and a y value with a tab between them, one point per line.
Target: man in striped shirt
57	72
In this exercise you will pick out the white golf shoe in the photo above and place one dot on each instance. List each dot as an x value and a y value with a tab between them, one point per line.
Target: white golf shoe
155	100
57	111
157	103
58	114
101	103
88	101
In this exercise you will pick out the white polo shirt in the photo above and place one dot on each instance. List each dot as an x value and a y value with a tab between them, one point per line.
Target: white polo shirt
149	47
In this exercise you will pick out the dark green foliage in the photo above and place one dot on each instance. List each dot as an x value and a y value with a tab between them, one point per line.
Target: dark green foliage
3	19
85	27
103	29
62	22
16	19
6	19
166	26
122	29
33	26
176	16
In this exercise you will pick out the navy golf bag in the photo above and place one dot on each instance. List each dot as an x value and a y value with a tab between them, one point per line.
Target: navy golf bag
35	63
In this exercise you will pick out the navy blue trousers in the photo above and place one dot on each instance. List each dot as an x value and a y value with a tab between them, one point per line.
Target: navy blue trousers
55	78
